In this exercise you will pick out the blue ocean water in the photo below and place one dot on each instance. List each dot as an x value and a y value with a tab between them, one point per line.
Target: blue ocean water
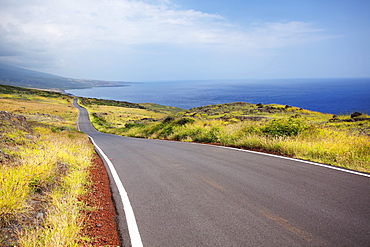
336	96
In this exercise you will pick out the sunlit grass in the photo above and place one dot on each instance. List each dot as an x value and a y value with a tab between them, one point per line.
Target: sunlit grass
59	113
64	222
110	117
57	165
14	191
44	155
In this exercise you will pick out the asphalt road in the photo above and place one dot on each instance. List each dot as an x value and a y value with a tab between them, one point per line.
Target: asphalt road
186	194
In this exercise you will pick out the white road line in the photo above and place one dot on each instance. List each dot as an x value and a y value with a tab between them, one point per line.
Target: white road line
288	158
129	212
130	217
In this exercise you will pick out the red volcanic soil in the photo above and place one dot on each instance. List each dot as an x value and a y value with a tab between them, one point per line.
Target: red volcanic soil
100	224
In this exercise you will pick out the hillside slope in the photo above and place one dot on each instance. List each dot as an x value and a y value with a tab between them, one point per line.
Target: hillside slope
14	76
51	181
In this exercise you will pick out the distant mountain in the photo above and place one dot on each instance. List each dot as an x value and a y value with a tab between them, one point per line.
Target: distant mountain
20	77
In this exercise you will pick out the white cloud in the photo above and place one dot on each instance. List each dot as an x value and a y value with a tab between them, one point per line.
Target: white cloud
46	29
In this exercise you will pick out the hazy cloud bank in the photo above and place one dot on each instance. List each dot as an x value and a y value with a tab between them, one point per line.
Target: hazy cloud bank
53	33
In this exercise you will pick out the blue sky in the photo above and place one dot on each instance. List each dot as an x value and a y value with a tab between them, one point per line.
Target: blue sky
151	40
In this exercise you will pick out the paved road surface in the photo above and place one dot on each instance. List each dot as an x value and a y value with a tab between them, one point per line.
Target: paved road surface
185	194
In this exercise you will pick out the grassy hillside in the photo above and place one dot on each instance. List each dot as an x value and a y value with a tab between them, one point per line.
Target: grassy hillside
44	165
338	140
14	76
109	115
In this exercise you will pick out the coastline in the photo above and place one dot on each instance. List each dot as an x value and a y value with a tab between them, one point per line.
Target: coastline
332	96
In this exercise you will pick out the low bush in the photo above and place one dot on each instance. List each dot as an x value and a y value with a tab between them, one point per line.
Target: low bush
184	121
284	127
133	125
168	119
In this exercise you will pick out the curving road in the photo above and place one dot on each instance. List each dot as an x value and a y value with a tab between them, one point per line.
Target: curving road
186	194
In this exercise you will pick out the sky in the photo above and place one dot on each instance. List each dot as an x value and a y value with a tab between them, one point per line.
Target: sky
154	40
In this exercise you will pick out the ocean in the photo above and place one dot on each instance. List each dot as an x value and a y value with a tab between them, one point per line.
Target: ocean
335	96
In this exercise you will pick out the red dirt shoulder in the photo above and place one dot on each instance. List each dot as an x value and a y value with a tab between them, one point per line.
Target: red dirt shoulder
100	223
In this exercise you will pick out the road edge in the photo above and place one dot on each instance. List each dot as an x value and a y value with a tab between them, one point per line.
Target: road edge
134	234
293	159
133	229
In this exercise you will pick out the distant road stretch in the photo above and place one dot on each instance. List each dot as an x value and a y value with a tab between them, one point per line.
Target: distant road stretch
186	194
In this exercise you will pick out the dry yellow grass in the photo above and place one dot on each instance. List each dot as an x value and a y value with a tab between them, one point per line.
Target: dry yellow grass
109	118
48	159
49	111
72	157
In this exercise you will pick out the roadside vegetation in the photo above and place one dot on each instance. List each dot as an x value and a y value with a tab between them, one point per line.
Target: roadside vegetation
44	164
44	160
342	141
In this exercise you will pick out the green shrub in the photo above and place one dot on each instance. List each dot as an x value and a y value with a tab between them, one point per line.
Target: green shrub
132	125
152	129
284	127
184	121
166	131
100	121
206	135
168	119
